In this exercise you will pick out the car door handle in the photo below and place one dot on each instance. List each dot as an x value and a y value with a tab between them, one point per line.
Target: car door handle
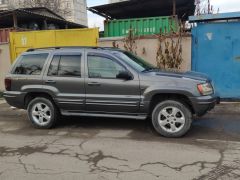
94	84
50	82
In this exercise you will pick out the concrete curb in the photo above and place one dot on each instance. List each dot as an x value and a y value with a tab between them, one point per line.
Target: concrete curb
2	101
227	108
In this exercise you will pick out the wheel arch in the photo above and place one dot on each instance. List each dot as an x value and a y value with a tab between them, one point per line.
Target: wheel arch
32	95
160	97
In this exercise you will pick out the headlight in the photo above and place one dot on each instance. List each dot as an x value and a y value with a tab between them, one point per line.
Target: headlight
205	89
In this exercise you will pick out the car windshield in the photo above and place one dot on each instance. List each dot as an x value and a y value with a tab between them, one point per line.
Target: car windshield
135	62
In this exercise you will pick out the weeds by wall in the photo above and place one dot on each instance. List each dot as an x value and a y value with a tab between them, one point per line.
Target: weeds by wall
130	42
169	51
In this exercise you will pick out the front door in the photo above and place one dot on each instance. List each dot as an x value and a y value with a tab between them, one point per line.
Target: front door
65	79
104	92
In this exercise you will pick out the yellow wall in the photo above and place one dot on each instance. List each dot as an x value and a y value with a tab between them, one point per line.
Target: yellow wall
21	41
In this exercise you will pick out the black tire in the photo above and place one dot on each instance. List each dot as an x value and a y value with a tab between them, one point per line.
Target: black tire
53	111
185	111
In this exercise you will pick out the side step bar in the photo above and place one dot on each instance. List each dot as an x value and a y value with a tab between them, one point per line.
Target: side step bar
138	117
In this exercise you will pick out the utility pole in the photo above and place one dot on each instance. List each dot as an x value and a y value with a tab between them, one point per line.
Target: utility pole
174	8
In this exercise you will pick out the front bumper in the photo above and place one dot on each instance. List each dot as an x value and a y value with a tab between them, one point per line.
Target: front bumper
203	104
15	98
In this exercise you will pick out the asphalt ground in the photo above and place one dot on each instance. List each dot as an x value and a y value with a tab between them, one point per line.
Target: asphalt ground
101	148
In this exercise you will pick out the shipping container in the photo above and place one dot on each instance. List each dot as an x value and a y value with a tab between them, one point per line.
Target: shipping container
21	41
141	26
4	35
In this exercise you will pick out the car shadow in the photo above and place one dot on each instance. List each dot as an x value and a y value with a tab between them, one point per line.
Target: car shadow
209	127
214	126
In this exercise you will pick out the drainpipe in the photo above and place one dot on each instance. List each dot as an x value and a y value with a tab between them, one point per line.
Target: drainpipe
15	23
45	24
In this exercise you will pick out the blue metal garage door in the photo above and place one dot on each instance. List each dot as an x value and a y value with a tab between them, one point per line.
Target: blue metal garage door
216	52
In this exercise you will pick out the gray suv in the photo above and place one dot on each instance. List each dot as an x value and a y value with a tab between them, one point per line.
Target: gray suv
105	82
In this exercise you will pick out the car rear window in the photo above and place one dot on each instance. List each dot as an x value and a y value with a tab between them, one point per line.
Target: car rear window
31	64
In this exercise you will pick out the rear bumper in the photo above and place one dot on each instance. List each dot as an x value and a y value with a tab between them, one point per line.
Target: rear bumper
15	98
204	104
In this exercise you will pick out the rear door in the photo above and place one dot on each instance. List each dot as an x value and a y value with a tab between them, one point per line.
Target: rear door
64	78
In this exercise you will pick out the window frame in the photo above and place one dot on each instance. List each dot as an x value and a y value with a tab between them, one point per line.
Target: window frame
80	54
103	56
17	61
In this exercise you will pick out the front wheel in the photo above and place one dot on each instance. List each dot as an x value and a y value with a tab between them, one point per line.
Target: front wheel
42	113
171	118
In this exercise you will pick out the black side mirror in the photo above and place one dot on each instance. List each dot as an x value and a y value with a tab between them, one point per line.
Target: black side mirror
124	75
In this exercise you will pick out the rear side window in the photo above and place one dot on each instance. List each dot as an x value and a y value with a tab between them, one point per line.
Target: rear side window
65	66
31	64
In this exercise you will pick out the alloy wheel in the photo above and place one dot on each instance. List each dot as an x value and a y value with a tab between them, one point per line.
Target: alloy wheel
41	114
171	119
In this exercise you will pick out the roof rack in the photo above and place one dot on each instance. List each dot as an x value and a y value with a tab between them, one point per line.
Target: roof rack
68	47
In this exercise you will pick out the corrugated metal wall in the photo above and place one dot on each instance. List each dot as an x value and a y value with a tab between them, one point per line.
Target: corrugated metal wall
141	26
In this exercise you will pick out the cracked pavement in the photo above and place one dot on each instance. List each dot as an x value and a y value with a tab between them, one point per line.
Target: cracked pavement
99	149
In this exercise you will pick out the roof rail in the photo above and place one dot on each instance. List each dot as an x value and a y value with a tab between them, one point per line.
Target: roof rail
67	47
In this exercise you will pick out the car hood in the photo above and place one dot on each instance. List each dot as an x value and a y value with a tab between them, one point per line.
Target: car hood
189	75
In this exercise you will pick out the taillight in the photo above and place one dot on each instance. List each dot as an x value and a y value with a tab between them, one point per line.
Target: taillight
8	83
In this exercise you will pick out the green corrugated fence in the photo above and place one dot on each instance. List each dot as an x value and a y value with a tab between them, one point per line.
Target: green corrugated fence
141	26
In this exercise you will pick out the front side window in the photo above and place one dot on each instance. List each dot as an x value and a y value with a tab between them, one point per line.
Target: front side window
102	67
134	61
65	66
31	64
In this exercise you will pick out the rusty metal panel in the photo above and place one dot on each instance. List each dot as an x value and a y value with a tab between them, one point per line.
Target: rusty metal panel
4	35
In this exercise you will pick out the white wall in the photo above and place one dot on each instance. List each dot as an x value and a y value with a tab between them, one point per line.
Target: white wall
77	13
4	63
147	49
149	44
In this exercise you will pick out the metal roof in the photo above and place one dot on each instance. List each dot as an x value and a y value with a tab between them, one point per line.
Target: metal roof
215	17
44	11
145	8
33	14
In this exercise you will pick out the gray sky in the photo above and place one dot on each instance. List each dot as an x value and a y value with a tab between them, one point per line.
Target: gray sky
222	5
226	5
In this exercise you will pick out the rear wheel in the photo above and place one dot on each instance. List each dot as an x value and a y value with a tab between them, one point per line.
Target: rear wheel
171	118
42	113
